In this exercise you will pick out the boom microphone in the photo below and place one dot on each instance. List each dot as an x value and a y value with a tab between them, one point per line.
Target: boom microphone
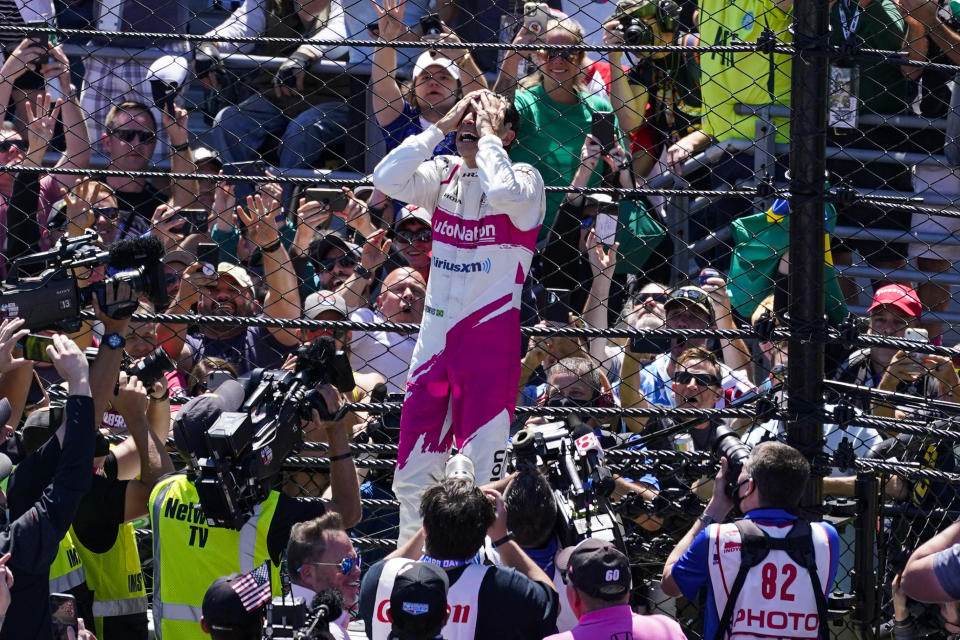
136	252
327	605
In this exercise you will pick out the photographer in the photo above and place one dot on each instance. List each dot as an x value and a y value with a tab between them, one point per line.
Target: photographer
767	491
189	554
33	536
486	602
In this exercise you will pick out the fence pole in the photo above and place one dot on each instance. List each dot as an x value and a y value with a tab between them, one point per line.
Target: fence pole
808	92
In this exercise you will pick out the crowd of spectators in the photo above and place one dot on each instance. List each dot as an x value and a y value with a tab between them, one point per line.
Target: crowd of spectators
242	241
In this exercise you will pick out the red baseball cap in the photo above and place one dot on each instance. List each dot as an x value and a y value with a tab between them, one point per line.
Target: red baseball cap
900	296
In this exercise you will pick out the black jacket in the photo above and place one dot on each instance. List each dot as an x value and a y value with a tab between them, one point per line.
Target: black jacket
34	534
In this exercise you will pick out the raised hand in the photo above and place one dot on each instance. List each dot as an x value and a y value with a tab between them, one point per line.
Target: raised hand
130	400
491	113
590	152
602	263
12	331
375	250
21	60
41	120
261	222
390	19
71	363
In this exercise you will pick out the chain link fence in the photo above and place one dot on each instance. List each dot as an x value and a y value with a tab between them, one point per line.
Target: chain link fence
750	216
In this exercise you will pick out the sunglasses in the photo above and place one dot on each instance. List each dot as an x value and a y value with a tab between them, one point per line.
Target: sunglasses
424	235
691	294
327	264
656	297
6	145
569	56
110	213
313	334
703	379
128	135
346	565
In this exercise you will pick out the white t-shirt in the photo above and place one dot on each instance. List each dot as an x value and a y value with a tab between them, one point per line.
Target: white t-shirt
385	352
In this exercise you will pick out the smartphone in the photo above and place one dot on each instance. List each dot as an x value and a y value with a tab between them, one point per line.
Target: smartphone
35	347
335	198
911	333
208	254
373	28
605	223
196	221
41	39
706	274
535	16
641	344
604	129
557	308
247	168
63	614
431	24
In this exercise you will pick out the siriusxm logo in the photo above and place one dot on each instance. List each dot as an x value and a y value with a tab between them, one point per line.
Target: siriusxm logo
447	229
463	267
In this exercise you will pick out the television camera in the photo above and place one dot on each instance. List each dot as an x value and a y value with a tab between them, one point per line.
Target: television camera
54	298
571	457
247	447
291	617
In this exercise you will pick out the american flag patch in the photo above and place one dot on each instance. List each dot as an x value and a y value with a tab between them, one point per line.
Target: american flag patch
254	587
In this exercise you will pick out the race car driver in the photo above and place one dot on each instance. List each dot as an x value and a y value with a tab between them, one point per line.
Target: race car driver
486	214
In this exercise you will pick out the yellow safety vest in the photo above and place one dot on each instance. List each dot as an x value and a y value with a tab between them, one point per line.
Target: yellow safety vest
188	555
67	570
115	577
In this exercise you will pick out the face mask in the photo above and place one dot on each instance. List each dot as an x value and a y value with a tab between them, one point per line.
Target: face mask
736	497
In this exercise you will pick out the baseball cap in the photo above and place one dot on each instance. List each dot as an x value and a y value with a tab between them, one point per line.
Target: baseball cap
320	301
203	154
326	240
236	273
597	568
223	609
179	255
413	212
418	602
199	414
900	296
433	59
694	296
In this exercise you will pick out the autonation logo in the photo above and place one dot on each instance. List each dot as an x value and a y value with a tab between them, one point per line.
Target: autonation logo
463	267
453	230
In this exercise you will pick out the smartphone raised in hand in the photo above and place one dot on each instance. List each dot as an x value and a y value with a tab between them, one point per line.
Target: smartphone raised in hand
35	347
63	615
603	127
431	24
195	221
336	199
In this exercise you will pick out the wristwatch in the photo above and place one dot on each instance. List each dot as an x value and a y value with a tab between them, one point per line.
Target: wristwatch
363	272
707	519
114	340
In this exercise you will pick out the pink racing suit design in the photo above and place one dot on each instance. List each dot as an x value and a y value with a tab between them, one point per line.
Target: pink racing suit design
462	385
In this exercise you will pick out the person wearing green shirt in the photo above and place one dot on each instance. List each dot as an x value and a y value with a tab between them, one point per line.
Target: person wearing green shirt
555	117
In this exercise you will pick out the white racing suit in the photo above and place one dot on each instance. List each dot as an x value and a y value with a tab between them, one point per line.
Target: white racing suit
462	385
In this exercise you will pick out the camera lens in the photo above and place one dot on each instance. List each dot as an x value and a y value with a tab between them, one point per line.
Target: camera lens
151	368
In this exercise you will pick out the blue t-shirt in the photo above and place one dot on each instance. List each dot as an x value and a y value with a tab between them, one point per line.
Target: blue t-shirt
946	565
408	124
691	572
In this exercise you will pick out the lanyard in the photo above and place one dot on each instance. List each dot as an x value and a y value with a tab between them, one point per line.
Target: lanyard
847	23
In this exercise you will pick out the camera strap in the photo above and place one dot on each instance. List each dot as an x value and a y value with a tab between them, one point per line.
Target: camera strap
755	544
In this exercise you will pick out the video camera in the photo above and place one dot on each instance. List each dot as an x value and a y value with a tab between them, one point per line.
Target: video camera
572	458
291	618
634	16
248	447
54	299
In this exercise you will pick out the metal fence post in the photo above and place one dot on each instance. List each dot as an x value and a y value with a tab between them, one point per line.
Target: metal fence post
807	166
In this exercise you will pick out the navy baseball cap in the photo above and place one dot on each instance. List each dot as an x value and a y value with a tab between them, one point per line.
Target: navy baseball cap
597	568
418	602
198	415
